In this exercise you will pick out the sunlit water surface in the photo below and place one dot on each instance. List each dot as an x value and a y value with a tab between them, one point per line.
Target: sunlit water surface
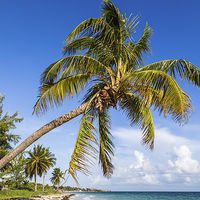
136	196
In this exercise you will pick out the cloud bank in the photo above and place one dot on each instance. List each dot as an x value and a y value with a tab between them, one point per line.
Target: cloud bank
171	163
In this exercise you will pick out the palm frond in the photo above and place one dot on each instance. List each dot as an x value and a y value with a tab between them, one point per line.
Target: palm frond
112	15
83	149
136	51
74	73
79	45
88	27
174	101
102	51
57	174
71	65
37	159
92	91
54	94
97	38
51	73
184	69
130	25
106	145
138	112
142	46
118	26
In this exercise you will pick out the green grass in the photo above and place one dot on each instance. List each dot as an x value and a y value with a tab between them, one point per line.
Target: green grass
21	193
26	192
15	193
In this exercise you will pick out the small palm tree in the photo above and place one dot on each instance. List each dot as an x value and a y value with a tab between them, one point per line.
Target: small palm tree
36	163
57	174
51	161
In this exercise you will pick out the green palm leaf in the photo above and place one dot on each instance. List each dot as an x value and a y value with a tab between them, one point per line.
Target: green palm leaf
57	174
179	105
79	45
92	91
106	146
138	112
37	159
72	65
184	69
96	48
83	150
142	46
112	15
50	159
87	28
54	94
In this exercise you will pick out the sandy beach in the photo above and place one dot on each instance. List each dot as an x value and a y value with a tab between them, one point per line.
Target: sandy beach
63	196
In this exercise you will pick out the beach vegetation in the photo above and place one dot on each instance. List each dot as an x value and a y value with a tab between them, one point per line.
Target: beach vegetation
51	161
15	174
27	191
57	175
7	139
38	162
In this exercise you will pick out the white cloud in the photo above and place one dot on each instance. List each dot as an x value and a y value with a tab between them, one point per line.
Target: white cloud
140	158
140	171
167	177
180	169
99	180
184	162
150	179
171	162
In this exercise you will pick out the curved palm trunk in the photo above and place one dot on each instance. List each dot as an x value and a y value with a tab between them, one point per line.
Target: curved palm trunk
42	131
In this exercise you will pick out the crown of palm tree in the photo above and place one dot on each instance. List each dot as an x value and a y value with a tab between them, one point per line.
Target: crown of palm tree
111	66
57	174
38	162
50	157
37	159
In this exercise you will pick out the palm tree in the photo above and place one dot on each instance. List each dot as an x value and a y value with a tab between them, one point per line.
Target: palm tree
57	174
36	163
51	161
111	66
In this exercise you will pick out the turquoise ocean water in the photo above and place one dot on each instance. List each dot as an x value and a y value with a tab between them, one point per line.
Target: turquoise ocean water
137	196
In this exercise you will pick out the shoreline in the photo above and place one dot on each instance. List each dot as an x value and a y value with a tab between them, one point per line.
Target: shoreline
63	196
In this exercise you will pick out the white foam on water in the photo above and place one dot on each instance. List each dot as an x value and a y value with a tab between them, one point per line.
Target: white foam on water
74	197
81	197
91	197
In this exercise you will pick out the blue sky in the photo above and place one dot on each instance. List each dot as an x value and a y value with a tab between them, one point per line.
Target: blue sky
31	38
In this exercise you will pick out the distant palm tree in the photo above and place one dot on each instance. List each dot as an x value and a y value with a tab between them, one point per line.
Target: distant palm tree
36	163
110	66
51	161
57	174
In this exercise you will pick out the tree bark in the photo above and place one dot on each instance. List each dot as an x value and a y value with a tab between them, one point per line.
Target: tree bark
43	181
36	177
42	131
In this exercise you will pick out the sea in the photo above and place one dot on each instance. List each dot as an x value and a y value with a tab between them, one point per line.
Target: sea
136	196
